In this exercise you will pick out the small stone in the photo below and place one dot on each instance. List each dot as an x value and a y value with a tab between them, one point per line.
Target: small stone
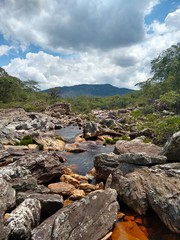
69	179
62	188
107	236
33	147
77	194
120	215
6	216
87	187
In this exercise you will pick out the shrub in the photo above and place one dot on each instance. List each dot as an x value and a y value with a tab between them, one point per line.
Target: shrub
26	140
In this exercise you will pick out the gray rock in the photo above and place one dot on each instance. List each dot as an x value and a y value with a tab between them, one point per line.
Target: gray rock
172	148
136	146
91	129
50	203
44	167
3	155
127	162
11	171
90	218
7	196
157	188
23	219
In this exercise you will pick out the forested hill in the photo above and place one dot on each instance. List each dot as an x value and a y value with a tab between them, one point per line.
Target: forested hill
102	90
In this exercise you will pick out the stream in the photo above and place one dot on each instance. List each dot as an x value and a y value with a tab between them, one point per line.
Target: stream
82	163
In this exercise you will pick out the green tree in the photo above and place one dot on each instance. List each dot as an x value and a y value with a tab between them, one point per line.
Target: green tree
54	94
10	88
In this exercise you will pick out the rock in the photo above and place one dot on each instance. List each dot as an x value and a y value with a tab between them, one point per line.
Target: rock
74	147
49	143
172	148
50	203
128	230
33	147
108	122
69	179
23	219
77	194
16	150
131	191
3	154
11	172
45	166
157	187
7	196
62	188
58	109
89	218
19	177
106	164
136	146
90	130
87	187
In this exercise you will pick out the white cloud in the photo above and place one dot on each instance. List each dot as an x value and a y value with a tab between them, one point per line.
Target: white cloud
74	24
4	49
112	55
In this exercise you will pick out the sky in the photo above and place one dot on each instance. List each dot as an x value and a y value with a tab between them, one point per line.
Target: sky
70	42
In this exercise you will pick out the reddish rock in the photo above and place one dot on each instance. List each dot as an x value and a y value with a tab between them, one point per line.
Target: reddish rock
128	230
77	194
69	179
61	188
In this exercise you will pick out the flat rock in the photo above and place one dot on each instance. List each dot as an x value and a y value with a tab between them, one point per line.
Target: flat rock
172	148
89	218
23	219
50	143
136	146
62	188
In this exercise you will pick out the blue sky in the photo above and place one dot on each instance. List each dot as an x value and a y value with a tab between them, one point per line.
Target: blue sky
62	43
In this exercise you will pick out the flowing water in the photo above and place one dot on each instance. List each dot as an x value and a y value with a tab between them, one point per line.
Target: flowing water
82	163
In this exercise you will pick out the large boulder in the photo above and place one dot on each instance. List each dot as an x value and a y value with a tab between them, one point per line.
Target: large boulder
172	148
91	129
157	188
136	146
89	218
45	167
23	219
50	203
107	163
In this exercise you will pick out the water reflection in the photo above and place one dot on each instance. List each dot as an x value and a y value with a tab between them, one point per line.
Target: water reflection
82	162
69	133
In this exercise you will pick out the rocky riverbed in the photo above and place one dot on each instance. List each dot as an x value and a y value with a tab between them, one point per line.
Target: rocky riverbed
42	198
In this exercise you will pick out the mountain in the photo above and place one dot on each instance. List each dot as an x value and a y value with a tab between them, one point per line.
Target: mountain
102	90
